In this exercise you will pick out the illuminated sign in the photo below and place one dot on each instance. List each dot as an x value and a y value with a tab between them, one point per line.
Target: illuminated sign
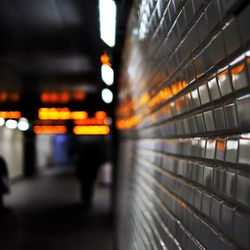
62	97
9	96
99	119
91	130
10	114
80	117
42	129
61	114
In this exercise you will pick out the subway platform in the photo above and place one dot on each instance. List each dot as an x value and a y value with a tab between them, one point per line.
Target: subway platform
45	213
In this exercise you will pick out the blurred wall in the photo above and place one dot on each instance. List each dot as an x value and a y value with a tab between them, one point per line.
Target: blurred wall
12	149
44	150
184	123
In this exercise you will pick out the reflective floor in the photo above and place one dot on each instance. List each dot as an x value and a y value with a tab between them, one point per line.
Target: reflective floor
44	213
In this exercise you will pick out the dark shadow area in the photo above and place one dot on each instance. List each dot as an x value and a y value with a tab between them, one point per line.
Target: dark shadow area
46	213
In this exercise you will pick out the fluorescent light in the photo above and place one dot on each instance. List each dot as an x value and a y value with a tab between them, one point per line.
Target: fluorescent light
107	96
107	15
107	74
12	124
23	124
2	121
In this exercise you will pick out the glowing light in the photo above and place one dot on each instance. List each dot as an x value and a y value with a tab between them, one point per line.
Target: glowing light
43	129
61	114
11	124
107	96
91	130
107	13
79	96
107	74
100	115
10	114
237	70
90	121
105	59
23	124
2	121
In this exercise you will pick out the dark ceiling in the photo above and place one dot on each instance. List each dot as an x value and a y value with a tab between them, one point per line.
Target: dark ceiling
54	45
49	45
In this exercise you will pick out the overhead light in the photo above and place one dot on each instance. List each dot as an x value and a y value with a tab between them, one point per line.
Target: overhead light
12	124
23	124
107	15
91	130
50	129
107	74
107	96
2	121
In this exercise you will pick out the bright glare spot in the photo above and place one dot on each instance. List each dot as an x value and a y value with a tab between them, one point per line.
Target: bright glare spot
2	121
107	13
23	124
238	59
248	53
107	74
107	96
12	124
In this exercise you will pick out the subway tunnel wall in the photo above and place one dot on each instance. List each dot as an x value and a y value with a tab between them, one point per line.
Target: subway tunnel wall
184	123
12	150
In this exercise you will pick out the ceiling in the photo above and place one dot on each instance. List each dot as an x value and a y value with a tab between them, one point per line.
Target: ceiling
49	44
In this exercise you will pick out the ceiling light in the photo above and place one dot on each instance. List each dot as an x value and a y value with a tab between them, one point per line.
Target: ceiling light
107	15
107	96
107	74
12	124
23	124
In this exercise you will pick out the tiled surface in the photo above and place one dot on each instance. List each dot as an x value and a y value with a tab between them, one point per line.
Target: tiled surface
183	116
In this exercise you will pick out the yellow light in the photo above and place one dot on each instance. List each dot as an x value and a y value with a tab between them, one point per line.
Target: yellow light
60	114
91	130
78	115
41	129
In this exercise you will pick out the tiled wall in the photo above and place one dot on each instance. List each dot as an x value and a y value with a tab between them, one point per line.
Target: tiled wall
184	123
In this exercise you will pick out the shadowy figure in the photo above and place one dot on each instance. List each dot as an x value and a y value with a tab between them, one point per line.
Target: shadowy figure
87	164
4	181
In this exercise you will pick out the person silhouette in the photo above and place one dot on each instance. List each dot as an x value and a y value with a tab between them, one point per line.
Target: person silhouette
87	164
4	182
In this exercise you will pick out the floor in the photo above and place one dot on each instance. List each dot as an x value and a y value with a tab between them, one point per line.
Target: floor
45	214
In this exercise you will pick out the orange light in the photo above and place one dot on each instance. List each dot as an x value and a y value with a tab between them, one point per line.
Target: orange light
64	97
90	121
91	130
100	115
15	97
237	70
40	129
105	59
54	97
221	145
128	123
10	114
79	95
45	97
3	96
